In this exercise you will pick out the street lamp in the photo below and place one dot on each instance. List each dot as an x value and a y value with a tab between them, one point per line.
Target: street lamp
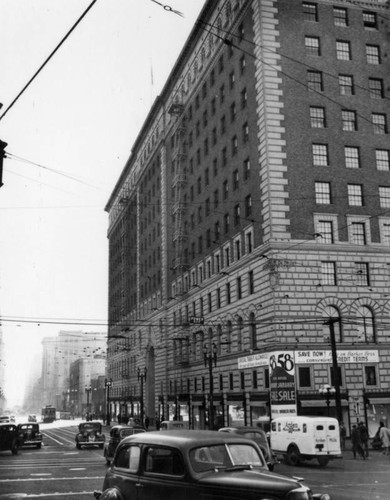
141	375
107	385
88	390
210	357
327	391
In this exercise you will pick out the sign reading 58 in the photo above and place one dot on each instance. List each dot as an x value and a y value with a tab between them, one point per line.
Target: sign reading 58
283	360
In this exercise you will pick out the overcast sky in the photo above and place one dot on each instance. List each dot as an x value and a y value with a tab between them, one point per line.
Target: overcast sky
72	129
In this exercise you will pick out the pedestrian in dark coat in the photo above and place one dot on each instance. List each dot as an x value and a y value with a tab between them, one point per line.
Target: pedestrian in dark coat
356	442
364	437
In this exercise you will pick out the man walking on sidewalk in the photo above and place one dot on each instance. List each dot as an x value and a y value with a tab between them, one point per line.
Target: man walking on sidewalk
364	437
356	442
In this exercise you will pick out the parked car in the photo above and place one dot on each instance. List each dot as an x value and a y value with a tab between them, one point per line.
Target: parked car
194	465
260	437
117	433
5	419
90	434
30	434
9	438
32	418
167	425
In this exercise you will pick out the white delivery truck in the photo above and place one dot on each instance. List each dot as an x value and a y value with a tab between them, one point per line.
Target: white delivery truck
305	438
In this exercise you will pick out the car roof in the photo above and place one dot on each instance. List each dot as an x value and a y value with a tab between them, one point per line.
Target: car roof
242	429
184	439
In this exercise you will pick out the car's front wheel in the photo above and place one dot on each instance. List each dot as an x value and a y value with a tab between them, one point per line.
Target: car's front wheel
39	445
293	455
323	461
78	446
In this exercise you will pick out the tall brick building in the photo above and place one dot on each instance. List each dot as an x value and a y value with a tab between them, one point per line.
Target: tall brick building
249	231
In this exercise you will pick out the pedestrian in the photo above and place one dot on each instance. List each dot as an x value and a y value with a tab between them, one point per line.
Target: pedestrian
343	435
146	422
385	438
356	442
157	420
364	437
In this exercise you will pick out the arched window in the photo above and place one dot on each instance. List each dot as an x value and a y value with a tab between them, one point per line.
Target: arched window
252	331
332	317
365	325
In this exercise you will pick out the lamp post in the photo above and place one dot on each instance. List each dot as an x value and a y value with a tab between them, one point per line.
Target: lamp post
88	390
327	391
107	385
141	375
210	360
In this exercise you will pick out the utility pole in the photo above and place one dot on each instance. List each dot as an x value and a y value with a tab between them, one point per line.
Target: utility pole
3	145
336	377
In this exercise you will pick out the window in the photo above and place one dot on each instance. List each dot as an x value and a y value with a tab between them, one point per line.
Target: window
320	154
252	331
238	288
317	117
248	242
251	283
207	207
314	81
237	248
215	167
210	302
375	86
372	54
218	298
228	295
358	233
254	379
322	193
223	124
217	231
355	195
233	112
384	227
384	196
362	274
312	45
226	223
224	157
221	94
343	50
248	205
200	214
213	106
234	145
340	16
244	98
235	179
325	229
216	200
348	119
232	80
242	64
369	20
128	458
328	273
310	11
237	217
379	123
246	169
352	157
382	158
304	377
370	377
225	190
245	133
365	325
346	85
333	376
164	461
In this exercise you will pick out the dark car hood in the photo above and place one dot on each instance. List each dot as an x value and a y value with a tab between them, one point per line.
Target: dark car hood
249	478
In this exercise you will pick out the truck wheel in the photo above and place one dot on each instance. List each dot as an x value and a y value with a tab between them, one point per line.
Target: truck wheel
323	461
293	456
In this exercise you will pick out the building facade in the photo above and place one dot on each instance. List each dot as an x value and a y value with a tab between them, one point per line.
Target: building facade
249	232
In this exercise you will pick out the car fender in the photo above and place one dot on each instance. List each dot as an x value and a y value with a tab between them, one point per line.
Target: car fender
109	494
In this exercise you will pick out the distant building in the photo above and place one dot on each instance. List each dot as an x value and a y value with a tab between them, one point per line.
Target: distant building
250	226
59	353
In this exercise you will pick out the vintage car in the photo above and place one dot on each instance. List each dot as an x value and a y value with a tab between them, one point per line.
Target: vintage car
9	438
90	434
5	419
260	437
32	418
30	434
193	465
117	433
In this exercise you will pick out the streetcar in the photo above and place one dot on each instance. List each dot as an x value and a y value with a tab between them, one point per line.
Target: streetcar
48	414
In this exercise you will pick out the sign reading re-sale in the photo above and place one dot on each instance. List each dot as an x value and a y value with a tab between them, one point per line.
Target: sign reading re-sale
282	384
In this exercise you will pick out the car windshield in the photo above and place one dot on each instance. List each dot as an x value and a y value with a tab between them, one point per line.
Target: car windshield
90	427
225	456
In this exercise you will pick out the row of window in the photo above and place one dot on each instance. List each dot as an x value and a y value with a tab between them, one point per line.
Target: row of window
315	83
320	157
323	195
340	16
343	50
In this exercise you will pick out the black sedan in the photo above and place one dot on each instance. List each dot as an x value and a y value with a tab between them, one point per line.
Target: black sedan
90	434
9	438
117	433
196	465
30	434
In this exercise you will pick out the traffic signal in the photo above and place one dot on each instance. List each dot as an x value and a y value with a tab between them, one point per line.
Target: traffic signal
3	145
